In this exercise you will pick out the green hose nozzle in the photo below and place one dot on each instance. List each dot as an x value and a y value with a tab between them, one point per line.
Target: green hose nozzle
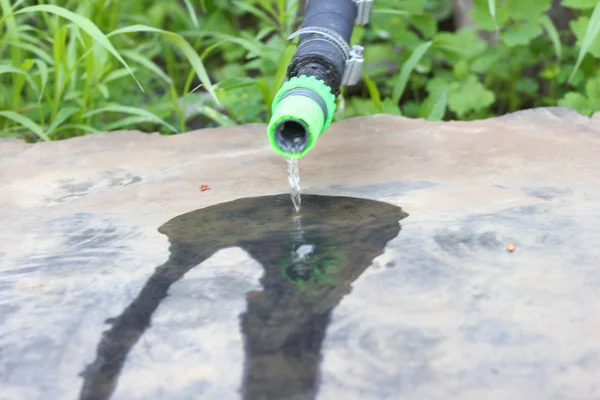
302	110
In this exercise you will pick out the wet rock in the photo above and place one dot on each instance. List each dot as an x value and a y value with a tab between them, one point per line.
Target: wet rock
455	312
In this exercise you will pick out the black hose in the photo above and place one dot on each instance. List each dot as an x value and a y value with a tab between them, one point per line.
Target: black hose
321	58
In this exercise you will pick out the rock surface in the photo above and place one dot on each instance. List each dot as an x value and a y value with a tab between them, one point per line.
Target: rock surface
441	311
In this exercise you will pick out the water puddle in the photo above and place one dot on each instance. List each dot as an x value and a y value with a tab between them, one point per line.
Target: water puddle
294	179
310	259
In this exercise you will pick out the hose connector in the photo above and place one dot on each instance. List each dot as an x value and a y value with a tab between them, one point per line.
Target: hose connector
302	110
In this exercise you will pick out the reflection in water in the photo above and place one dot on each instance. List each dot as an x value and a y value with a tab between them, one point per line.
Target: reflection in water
310	260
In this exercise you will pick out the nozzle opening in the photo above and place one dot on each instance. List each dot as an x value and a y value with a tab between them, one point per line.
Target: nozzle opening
291	135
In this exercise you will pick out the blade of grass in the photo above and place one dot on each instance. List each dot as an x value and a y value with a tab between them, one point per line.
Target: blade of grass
9	69
492	8
391	11
86	25
258	13
26	123
43	68
19	82
60	66
31	48
591	34
62	116
115	74
187	50
407	70
12	30
553	34
192	12
373	92
126	122
281	72
235	83
83	128
249	45
146	63
439	108
216	116
140	112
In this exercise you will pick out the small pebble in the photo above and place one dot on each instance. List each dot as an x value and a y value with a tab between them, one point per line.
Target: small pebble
511	247
204	188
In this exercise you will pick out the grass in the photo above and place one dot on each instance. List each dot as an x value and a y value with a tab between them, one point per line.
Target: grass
72	67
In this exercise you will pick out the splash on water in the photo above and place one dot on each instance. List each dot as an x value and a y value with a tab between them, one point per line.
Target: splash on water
294	179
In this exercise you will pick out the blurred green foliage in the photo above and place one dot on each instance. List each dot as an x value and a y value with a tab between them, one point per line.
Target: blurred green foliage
72	67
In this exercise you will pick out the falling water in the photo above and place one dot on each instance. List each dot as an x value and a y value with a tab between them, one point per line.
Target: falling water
294	179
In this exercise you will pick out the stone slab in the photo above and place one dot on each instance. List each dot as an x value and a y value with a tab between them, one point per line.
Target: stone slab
442	311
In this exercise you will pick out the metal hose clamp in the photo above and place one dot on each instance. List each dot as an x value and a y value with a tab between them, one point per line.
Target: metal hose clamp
353	56
364	8
327	35
354	65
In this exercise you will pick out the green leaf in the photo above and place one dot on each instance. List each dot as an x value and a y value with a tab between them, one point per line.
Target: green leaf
464	44
140	112
464	97
425	24
389	107
521	34
26	123
590	38
407	70
373	92
592	90
88	27
579	4
185	48
485	62
482	15
577	102
553	34
359	106
461	70
470	96
528	86
524	10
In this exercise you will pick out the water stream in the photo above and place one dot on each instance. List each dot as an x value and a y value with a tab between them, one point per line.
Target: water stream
294	179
